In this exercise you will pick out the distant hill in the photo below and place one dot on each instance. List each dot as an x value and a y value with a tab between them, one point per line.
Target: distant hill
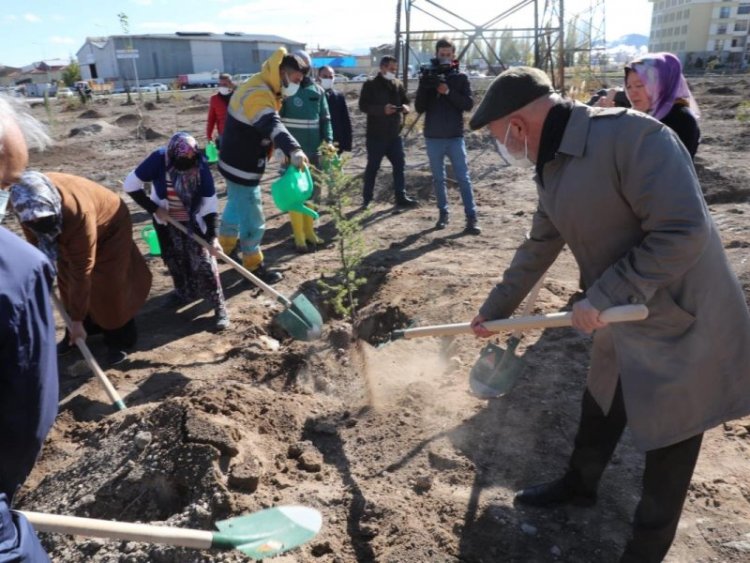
632	40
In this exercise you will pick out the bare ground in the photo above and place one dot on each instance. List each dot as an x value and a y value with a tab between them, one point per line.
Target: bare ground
405	465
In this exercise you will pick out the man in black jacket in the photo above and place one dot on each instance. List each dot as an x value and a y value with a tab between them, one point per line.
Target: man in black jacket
340	120
384	100
444	94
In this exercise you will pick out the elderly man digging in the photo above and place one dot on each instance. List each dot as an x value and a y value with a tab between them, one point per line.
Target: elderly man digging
620	189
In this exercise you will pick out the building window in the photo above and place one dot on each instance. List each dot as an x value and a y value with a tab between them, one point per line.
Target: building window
724	12
719	45
743	9
684	30
682	45
740	25
722	29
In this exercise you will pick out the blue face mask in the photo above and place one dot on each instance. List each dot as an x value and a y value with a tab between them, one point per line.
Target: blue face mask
4	197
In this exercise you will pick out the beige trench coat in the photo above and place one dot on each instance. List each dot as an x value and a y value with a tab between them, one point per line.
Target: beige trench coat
623	194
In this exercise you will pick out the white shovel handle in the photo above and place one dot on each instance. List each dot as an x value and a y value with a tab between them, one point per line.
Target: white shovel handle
623	313
242	270
91	527
114	396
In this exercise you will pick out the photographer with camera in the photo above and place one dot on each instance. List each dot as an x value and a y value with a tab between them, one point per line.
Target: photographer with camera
444	94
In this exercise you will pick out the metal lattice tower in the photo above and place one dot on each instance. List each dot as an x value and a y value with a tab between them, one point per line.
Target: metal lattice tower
545	34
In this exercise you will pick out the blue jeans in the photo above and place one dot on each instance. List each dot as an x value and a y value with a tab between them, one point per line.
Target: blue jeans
243	217
393	150
455	150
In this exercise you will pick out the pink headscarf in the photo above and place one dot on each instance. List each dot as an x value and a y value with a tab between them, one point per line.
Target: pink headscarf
661	74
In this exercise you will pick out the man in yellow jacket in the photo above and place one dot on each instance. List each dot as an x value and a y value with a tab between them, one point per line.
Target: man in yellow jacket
252	129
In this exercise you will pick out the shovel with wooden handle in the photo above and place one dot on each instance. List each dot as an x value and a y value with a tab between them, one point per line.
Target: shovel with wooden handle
299	318
497	370
266	533
620	314
114	396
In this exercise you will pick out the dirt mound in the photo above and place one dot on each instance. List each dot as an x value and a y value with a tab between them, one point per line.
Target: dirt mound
193	109
150	106
722	91
127	119
148	134
198	98
90	114
93	129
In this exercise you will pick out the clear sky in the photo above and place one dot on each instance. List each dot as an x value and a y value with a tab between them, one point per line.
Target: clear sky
37	29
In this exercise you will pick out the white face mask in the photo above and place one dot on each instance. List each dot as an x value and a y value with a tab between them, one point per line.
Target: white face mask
290	90
224	91
389	75
519	162
326	83
4	197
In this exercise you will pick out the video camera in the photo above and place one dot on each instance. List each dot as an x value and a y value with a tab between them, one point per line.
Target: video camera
431	75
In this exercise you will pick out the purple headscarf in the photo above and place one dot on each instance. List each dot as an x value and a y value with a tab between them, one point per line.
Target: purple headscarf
183	146
661	74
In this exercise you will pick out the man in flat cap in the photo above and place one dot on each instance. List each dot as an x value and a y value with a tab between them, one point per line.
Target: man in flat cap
620	189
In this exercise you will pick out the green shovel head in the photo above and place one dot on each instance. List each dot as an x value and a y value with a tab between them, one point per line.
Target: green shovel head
269	532
496	371
301	319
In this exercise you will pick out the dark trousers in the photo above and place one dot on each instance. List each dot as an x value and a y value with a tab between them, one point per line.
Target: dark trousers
665	482
121	338
393	150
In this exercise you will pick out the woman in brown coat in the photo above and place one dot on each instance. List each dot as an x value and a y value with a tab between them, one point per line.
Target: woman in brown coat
86	232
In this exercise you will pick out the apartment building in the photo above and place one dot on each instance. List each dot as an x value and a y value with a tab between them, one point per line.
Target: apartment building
702	31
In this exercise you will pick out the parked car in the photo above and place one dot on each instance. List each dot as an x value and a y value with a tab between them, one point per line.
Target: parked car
159	86
240	78
65	93
145	89
360	78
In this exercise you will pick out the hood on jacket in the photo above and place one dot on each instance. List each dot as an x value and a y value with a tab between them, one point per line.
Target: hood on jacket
270	74
261	91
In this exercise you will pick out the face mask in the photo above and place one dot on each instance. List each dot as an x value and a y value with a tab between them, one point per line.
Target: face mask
4	197
183	163
389	75
44	225
519	162
326	83
224	91
446	61
289	90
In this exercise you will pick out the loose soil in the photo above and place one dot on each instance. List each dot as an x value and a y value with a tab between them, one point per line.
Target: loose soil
382	437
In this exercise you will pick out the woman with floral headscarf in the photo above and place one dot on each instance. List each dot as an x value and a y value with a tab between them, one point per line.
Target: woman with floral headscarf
86	232
655	85
183	190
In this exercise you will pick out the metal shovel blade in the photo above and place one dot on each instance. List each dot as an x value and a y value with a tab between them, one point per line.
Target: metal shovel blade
301	319
496	371
269	532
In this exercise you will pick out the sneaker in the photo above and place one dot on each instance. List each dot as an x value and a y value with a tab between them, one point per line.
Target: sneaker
442	221
472	227
222	321
268	276
406	201
115	356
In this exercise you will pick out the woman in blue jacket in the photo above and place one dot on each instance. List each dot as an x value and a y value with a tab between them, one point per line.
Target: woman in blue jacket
183	190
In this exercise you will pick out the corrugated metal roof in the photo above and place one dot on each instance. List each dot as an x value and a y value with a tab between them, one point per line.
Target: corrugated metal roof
198	36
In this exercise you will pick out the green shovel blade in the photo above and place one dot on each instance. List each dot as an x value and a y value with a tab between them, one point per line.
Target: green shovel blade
301	319
496	371
269	532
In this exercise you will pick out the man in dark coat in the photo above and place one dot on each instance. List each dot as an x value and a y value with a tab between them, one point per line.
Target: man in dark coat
340	118
28	360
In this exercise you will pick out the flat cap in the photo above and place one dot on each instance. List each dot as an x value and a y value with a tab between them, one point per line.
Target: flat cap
509	92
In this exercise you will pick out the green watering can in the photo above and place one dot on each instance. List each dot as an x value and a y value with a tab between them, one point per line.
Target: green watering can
212	153
292	190
148	233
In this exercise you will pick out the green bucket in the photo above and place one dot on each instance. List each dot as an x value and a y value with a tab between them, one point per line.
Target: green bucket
292	190
212	153
148	233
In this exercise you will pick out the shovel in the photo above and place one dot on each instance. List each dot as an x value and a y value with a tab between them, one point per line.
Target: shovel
497	370
266	533
299	318
622	313
114	396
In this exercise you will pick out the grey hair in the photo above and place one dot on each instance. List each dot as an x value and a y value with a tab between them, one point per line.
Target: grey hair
34	132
